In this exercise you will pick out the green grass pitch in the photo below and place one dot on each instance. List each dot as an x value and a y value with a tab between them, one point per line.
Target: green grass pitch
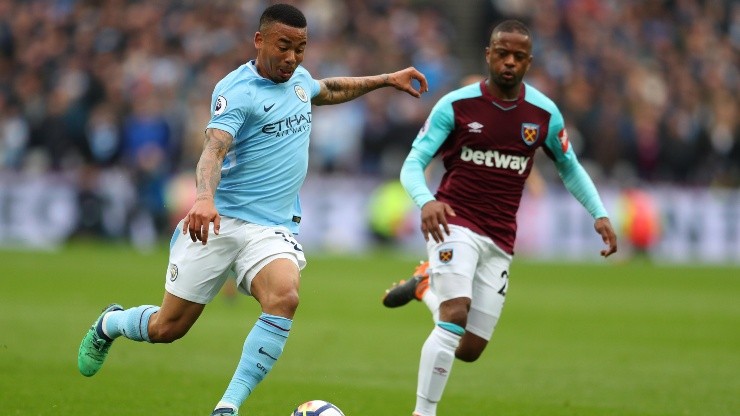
611	339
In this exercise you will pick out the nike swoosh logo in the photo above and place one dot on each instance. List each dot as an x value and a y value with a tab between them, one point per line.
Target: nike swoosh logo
263	352
266	108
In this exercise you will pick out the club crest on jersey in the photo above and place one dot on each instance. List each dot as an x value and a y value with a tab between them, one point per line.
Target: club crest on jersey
445	256
530	133
301	93
220	106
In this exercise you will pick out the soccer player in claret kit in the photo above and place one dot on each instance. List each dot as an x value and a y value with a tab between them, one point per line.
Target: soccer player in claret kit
486	134
254	161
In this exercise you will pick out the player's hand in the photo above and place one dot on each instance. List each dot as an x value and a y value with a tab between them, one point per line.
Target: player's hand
199	219
403	81
604	227
434	220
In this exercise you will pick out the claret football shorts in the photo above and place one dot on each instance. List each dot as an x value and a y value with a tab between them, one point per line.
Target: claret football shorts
470	265
197	272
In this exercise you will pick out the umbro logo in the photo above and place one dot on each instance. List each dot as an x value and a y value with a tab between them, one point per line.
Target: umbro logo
268	108
475	127
263	352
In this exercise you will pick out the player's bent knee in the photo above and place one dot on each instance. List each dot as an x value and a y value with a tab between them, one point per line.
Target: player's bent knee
471	348
455	311
289	301
281	304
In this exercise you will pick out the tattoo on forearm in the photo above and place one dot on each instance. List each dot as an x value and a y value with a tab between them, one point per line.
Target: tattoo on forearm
208	171
343	89
207	178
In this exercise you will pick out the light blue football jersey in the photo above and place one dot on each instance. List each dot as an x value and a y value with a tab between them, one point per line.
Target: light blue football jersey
263	171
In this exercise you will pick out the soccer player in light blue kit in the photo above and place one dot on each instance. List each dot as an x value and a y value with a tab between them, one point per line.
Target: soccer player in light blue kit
247	210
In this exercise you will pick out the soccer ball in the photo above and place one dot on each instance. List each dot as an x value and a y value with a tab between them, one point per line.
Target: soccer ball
317	408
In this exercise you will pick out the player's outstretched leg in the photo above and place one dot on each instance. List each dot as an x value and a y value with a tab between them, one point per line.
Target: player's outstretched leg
95	345
405	291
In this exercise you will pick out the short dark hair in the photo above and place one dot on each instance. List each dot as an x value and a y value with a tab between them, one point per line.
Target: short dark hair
511	26
283	13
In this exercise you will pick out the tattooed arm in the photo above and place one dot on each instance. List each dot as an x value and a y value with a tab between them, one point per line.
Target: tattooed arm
207	177
343	89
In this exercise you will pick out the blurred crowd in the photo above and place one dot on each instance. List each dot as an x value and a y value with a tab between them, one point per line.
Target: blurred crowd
115	94
650	88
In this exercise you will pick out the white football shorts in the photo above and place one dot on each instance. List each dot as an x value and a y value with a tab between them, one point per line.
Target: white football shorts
197	272
472	266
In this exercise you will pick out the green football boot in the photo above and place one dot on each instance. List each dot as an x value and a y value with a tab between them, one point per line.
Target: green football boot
94	347
225	411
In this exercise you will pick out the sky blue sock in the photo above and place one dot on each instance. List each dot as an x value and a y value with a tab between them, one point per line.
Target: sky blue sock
131	323
262	348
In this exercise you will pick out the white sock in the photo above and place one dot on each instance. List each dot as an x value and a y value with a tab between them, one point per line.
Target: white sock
437	356
432	302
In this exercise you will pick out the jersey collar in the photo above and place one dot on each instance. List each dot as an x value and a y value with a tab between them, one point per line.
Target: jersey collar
253	67
503	104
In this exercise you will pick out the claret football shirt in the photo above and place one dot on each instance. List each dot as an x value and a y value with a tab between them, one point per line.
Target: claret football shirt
487	146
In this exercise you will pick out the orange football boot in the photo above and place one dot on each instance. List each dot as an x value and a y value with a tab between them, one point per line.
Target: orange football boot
405	291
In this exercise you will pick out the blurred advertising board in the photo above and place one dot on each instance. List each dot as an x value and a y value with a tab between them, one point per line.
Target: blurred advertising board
340	214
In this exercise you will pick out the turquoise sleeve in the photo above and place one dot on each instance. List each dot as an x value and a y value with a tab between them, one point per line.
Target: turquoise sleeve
413	179
432	135
580	185
575	178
